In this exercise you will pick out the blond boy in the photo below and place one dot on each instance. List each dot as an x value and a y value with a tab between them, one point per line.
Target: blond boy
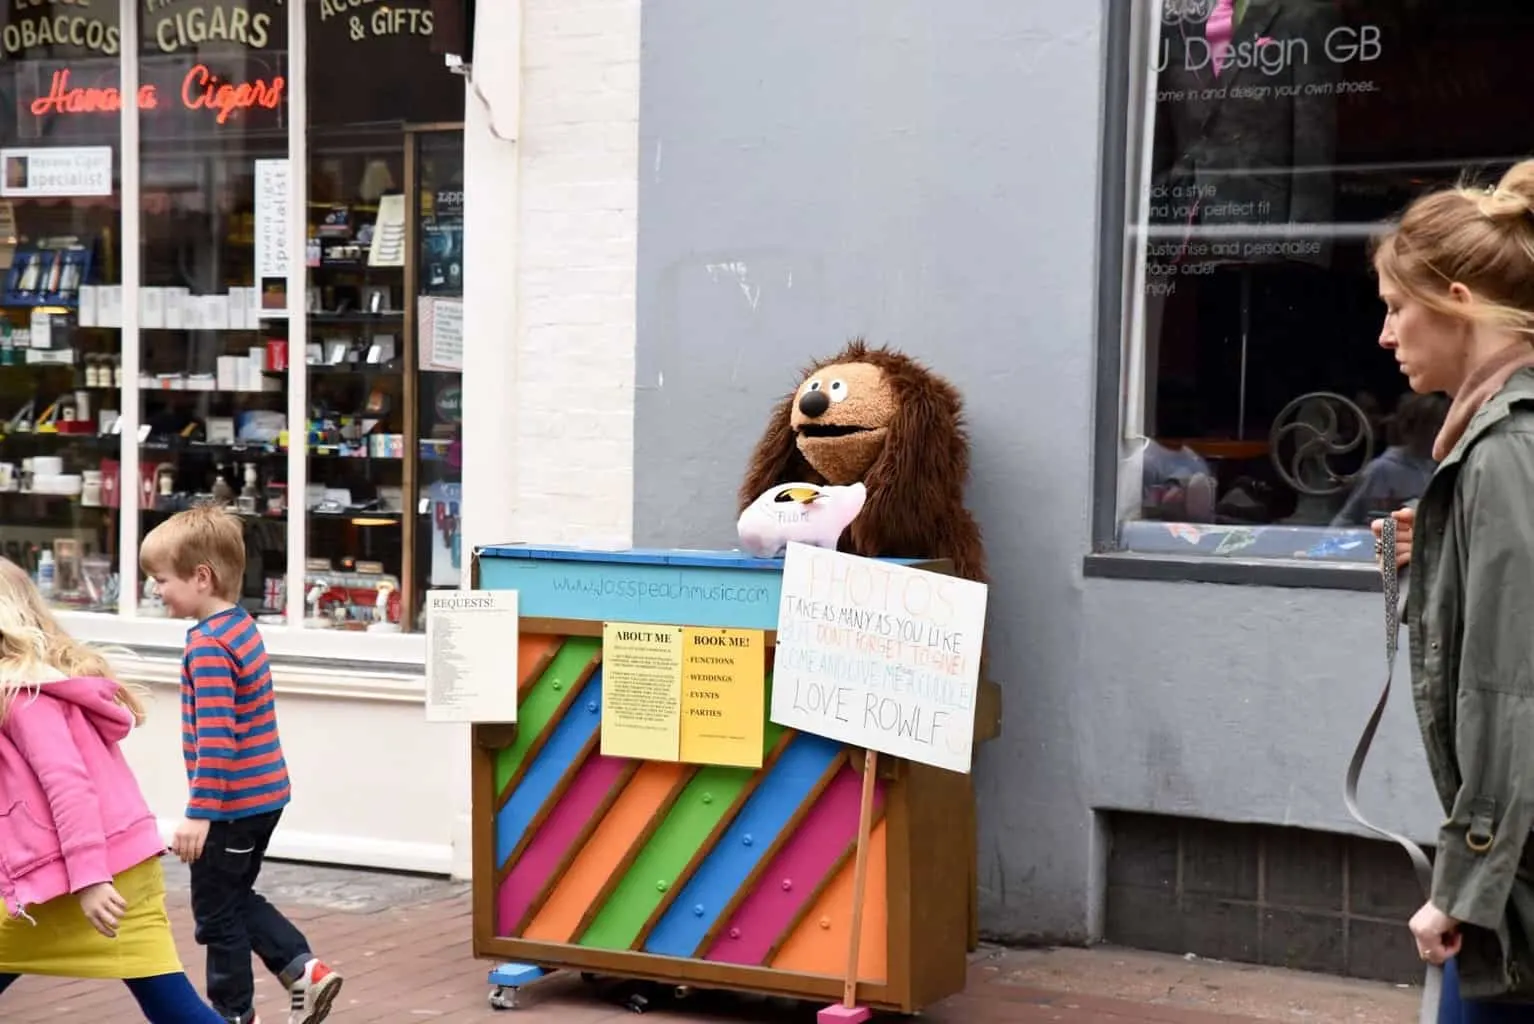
234	764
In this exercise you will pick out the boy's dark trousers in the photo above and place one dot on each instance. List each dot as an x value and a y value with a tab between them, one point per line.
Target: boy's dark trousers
233	921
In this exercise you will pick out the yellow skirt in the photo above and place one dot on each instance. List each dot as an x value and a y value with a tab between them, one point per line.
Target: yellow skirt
64	944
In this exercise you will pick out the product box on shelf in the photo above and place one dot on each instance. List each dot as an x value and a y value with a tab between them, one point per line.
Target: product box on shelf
40	276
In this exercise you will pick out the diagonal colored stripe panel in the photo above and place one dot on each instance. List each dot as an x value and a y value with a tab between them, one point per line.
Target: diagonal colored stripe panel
567	741
792	780
624	827
594	785
534	652
537	709
801	868
818	944
687	826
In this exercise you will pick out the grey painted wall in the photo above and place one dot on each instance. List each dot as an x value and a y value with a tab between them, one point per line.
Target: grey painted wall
926	175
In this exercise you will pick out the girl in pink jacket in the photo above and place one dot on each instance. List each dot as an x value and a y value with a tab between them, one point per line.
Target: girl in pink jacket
79	851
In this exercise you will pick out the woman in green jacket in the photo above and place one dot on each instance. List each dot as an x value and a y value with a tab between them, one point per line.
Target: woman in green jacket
1457	279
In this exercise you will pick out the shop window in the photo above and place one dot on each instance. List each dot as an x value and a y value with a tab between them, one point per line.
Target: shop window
61	343
211	378
284	341
1261	418
384	353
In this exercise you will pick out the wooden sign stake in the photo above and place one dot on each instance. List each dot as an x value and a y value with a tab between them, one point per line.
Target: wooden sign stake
849	1011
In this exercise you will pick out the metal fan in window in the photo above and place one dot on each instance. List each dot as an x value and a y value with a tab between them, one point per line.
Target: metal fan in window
1319	444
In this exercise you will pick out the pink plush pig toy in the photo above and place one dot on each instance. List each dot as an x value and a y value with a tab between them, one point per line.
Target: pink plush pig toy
807	513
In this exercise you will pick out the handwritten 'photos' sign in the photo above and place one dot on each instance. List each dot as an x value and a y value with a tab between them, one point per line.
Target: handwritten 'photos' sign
879	656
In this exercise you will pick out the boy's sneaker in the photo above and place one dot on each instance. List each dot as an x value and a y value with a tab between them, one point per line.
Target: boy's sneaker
314	994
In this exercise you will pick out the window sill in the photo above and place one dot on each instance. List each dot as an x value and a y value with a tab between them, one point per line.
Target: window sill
365	652
1304	544
156	668
1327	558
1255	572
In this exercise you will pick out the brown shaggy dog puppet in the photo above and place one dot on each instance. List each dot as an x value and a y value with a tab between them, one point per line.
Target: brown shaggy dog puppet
876	415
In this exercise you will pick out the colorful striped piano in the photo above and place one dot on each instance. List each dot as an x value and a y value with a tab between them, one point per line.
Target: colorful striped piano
700	875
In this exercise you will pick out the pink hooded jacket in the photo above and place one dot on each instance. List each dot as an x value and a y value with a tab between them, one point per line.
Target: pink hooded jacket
71	812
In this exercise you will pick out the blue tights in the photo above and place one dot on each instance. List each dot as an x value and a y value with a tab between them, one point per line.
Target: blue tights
165	999
1454	1010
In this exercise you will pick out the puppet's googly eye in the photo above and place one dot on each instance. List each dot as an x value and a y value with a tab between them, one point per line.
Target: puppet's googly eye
814	385
838	391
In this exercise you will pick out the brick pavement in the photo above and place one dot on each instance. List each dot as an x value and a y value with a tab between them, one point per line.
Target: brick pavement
402	943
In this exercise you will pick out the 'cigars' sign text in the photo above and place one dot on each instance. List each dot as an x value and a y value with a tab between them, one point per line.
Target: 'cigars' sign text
177	26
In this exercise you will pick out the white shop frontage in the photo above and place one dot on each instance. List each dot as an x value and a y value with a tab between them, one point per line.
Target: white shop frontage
312	270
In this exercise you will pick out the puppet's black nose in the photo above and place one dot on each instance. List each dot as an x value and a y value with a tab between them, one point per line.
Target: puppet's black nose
814	403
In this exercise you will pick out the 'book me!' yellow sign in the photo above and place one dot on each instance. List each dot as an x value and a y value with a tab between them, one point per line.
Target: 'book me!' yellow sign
723	703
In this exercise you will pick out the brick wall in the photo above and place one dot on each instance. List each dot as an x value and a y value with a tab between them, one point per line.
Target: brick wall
580	165
550	273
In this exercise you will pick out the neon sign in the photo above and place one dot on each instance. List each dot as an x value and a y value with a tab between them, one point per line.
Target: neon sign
201	89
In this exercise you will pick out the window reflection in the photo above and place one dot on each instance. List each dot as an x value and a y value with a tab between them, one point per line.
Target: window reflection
1284	131
384	292
439	551
1401	472
212	373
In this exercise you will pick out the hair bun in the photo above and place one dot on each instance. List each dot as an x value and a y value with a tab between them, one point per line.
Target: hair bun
1512	198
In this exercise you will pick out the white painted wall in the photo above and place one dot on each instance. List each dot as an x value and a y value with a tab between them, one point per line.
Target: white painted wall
369	774
550	266
580	204
549	271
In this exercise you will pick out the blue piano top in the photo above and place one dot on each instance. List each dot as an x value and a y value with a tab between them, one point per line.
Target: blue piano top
645	556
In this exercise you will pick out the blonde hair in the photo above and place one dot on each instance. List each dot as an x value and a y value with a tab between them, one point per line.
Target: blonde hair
34	649
1482	238
208	534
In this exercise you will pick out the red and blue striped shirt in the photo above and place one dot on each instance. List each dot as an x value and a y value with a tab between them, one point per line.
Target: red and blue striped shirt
229	735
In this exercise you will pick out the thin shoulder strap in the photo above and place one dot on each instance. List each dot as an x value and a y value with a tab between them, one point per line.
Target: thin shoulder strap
1432	983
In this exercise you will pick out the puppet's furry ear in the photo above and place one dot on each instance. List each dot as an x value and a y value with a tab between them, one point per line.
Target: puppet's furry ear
918	480
776	459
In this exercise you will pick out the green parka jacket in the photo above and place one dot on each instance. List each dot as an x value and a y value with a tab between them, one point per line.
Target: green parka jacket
1470	612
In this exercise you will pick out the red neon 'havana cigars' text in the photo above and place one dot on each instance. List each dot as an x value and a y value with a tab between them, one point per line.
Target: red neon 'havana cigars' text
200	90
